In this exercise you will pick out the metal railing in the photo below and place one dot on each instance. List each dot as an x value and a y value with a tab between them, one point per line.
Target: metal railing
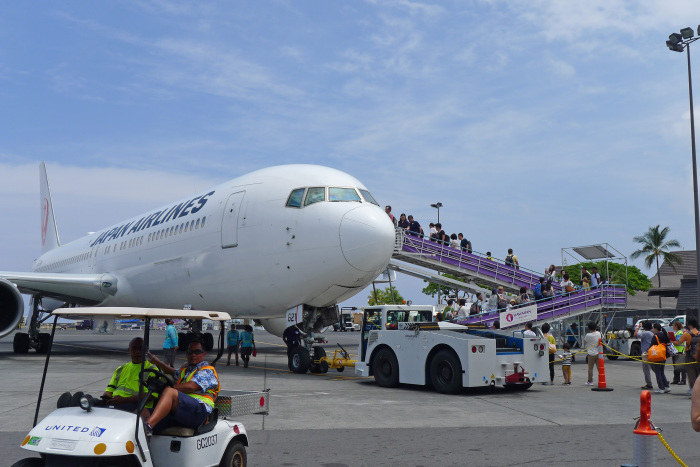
471	264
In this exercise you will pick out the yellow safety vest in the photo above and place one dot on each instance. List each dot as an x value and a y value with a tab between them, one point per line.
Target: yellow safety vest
125	381
207	396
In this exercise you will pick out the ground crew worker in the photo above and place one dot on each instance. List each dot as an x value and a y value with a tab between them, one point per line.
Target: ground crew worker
247	344
170	343
189	402
291	337
232	338
123	389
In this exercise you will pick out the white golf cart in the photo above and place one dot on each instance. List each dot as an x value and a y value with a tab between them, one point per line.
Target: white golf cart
85	432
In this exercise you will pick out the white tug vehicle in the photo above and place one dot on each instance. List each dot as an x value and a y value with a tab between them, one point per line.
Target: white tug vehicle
83	432
402	344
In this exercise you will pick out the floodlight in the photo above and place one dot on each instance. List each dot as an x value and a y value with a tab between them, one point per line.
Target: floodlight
675	38
687	33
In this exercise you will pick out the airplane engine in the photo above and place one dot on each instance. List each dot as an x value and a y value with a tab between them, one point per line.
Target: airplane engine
275	326
11	307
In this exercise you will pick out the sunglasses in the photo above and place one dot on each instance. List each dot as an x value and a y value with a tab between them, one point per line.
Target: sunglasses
195	351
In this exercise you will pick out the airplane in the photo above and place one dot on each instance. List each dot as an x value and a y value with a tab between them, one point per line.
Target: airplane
281	245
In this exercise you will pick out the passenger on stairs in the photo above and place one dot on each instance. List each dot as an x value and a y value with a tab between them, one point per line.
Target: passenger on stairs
524	297
414	227
462	310
465	244
492	304
566	284
391	216
539	289
512	260
454	243
550	272
403	222
433	232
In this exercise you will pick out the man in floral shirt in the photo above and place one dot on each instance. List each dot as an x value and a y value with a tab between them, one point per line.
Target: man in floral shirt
191	400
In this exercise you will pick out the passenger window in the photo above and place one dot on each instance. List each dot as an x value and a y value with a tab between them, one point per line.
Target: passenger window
343	194
368	197
315	195
203	220
196	226
182	226
295	197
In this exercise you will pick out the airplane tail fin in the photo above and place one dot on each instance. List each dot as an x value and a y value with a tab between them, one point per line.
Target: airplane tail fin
49	232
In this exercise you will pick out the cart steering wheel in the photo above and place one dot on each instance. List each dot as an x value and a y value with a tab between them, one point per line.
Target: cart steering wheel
157	382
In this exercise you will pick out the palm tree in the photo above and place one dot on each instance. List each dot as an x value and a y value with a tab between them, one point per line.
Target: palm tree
653	246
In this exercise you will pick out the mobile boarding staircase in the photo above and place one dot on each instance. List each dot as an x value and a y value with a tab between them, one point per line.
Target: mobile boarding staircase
477	268
436	256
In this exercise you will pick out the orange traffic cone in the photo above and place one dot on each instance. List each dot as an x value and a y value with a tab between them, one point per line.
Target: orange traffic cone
602	386
644	444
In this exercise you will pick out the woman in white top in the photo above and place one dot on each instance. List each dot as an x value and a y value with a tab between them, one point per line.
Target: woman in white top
454	243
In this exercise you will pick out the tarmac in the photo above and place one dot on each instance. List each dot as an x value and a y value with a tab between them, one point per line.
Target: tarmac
337	419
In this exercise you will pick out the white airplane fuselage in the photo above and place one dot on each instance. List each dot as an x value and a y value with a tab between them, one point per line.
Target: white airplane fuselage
238	248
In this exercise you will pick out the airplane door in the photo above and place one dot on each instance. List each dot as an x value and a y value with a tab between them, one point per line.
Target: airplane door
229	223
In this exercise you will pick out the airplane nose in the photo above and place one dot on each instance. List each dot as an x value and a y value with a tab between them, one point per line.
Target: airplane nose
367	238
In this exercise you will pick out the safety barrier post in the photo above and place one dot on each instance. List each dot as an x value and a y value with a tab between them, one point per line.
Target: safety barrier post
602	386
644	444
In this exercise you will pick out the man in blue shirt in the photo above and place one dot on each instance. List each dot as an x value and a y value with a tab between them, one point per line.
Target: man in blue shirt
170	343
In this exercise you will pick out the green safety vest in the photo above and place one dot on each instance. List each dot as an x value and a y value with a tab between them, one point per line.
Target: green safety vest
679	348
208	396
125	381
246	339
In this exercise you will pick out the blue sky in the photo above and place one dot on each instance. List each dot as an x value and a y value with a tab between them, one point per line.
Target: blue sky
538	124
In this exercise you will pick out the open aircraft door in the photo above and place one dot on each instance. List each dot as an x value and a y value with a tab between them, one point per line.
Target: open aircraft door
229	223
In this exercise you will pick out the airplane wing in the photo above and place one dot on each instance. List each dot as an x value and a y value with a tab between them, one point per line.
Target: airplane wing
82	289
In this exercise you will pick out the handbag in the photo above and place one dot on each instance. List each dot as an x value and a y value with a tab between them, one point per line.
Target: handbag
657	352
671	350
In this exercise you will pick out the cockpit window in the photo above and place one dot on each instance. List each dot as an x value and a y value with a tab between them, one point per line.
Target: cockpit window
295	198
315	195
343	194
368	197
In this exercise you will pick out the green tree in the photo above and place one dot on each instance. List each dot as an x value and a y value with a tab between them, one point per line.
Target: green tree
384	297
432	288
654	245
636	279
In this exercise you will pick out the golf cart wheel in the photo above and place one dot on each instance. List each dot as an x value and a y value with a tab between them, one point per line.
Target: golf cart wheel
44	341
235	456
29	462
300	360
20	344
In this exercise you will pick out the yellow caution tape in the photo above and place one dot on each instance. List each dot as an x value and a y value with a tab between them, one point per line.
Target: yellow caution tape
640	359
675	456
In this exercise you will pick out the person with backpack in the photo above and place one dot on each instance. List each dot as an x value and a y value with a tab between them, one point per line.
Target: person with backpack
595	278
512	260
447	313
501	301
539	288
691	339
475	309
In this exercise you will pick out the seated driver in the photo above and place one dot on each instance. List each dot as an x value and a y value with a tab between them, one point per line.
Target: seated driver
123	389
189	402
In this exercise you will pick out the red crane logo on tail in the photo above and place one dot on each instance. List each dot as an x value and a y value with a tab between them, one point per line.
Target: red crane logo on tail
44	220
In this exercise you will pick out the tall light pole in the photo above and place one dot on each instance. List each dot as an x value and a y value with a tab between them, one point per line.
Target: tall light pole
677	43
437	206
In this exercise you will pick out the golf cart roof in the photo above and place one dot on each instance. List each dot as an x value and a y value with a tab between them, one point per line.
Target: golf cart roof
139	313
